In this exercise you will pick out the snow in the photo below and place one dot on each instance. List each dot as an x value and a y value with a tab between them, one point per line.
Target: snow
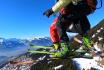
96	58
49	62
58	67
98	31
36	38
101	28
41	41
93	35
100	38
83	63
96	47
41	58
87	64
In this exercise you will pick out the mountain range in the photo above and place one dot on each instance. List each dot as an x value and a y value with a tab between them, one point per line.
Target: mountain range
96	34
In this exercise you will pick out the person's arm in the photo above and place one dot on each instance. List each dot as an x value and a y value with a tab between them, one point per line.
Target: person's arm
60	4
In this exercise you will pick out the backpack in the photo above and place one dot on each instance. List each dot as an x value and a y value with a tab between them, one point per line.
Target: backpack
86	7
83	7
91	5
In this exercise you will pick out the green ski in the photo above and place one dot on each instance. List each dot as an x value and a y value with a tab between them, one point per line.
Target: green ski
41	52
44	47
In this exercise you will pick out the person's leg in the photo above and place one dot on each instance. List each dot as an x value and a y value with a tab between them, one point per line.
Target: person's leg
65	49
62	31
54	34
53	31
62	27
85	25
60	38
58	31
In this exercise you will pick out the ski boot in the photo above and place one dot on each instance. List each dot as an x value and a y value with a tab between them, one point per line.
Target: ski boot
87	42
55	47
86	47
62	51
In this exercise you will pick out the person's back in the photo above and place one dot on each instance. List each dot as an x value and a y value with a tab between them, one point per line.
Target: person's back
82	7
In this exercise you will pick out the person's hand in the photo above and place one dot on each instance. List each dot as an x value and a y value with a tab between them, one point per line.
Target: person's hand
48	13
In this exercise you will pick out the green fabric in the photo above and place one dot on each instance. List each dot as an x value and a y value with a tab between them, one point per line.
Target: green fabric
87	41
63	52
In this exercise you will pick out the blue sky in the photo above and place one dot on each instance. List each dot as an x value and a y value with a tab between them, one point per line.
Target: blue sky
24	18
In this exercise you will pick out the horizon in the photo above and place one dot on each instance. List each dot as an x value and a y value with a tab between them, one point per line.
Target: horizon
24	18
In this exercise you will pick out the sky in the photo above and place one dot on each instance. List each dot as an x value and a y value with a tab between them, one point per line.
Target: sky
24	18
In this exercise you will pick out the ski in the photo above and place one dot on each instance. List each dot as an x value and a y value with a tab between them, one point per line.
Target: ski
41	52
44	47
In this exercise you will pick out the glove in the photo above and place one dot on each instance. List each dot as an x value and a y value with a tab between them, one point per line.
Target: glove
48	12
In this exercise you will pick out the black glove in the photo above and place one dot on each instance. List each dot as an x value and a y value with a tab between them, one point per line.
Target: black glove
48	12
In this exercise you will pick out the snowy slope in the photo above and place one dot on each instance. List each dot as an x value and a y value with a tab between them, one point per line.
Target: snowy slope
97	35
87	64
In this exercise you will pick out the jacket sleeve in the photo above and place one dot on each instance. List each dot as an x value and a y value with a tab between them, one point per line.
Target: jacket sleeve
60	4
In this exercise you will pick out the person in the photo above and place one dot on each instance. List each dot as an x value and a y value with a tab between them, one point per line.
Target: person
71	19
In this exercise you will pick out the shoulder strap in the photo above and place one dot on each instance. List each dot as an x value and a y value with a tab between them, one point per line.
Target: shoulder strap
101	3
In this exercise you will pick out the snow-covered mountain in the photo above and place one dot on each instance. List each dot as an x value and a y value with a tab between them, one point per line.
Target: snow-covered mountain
12	42
96	34
45	41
